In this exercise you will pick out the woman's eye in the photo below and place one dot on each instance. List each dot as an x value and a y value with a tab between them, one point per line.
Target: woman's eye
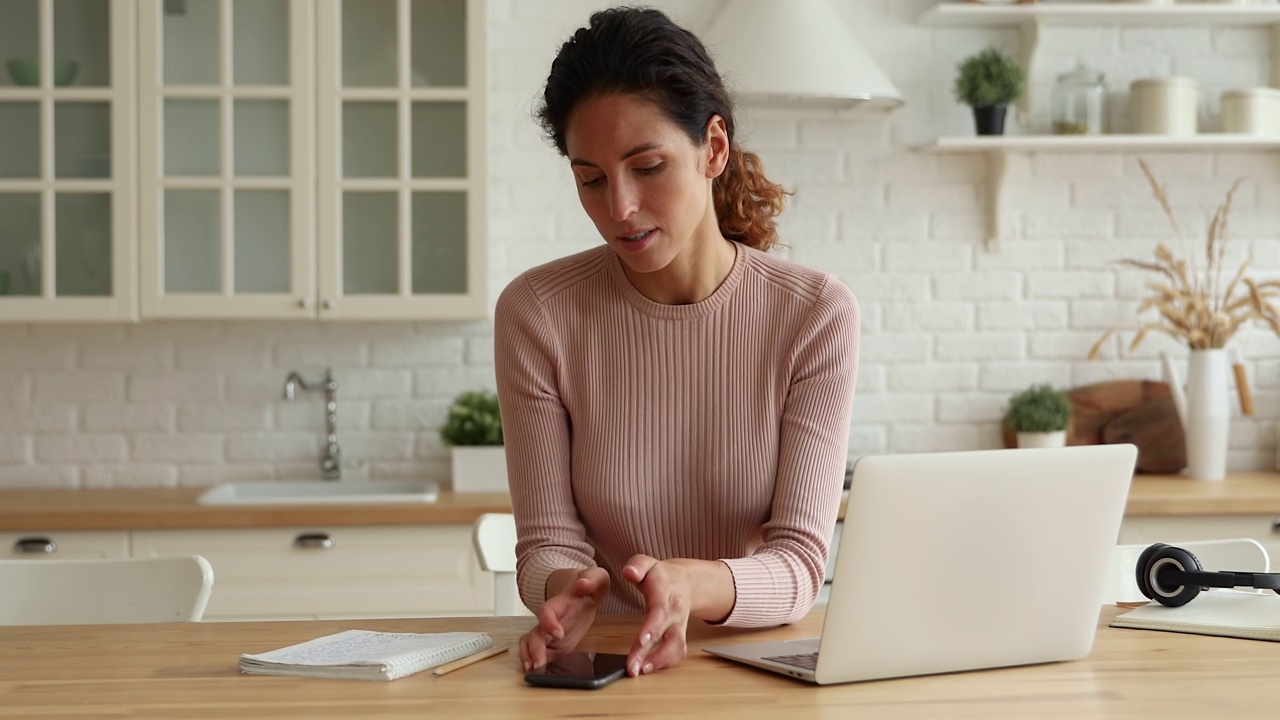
590	182
649	170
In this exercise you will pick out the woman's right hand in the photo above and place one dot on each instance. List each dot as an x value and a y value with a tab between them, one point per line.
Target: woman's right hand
564	619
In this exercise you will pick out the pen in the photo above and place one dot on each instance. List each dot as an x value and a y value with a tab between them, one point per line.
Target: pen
450	667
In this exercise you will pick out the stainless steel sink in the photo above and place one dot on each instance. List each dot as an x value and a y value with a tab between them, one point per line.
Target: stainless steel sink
306	492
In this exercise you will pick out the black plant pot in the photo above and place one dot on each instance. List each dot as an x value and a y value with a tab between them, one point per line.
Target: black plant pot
990	119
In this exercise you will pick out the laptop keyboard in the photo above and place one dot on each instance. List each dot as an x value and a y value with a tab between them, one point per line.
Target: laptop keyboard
806	661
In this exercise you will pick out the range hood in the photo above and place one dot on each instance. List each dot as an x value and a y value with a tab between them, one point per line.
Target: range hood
795	53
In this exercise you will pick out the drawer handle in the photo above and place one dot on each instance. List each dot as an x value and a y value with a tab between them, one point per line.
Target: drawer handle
313	540
35	545
1275	526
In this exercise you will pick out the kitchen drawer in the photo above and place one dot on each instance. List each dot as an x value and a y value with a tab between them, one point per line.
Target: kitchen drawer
339	572
65	544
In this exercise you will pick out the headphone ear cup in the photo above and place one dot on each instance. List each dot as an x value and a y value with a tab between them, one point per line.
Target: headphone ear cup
1140	570
1176	558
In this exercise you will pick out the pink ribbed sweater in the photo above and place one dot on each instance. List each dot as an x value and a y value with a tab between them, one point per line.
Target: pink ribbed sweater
716	430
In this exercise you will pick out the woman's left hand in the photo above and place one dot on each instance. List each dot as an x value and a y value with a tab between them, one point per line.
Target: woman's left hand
668	598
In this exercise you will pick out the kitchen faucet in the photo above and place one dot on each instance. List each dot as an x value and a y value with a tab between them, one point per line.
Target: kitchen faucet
330	464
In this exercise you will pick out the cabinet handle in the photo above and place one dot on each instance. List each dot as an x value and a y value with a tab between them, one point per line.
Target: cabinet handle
328	304
304	303
313	540
35	545
1275	526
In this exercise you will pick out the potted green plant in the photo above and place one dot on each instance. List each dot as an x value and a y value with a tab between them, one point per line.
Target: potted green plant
988	82
1040	416
474	431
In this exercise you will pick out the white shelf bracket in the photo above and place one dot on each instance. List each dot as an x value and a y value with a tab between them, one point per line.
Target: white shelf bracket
1031	33
997	169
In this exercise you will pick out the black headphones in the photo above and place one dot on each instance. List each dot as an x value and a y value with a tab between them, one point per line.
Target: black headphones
1172	576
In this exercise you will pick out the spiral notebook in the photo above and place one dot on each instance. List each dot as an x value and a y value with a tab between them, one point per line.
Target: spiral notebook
366	655
1225	613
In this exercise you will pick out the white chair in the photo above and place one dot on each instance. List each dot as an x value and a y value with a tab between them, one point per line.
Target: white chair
104	591
494	538
1239	554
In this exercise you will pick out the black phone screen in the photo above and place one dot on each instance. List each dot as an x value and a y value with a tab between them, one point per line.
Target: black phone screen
579	670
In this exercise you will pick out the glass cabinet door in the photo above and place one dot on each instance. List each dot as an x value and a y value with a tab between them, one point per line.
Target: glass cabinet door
66	176
402	159
226	164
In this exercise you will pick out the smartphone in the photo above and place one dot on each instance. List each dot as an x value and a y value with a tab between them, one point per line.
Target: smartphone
580	670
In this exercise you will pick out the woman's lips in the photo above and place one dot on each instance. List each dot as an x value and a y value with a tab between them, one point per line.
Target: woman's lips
634	242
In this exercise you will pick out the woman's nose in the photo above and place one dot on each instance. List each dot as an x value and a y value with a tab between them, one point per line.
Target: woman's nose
623	200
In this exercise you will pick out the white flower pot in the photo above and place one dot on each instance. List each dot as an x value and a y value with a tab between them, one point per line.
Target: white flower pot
1055	439
480	468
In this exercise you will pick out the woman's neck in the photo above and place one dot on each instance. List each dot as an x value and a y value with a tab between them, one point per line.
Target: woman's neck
692	276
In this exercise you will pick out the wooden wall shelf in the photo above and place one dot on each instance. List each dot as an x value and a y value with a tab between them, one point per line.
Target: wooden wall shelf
968	14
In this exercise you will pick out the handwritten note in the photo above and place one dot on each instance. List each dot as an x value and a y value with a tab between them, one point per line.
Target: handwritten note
353	646
365	654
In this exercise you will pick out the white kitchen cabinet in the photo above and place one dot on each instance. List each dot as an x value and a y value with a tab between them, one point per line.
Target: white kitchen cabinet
1172	529
825	593
403	159
227	171
68	244
313	158
330	573
64	544
831	553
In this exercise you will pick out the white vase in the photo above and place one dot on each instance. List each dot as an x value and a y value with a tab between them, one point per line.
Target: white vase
480	468
1054	439
1204	411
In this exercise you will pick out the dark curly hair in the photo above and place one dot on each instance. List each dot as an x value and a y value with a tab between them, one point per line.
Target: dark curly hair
641	51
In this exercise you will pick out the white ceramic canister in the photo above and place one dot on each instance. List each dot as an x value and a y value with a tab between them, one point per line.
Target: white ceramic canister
1255	111
1165	106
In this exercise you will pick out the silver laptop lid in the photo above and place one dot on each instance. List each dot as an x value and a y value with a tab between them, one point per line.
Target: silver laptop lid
965	560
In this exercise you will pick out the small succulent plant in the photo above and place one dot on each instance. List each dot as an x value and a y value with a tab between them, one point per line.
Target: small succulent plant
473	420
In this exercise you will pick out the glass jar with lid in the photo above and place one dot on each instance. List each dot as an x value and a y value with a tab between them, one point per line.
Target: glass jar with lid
1080	103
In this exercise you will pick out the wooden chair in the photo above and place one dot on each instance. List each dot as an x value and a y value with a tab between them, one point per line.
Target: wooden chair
494	538
104	591
1239	554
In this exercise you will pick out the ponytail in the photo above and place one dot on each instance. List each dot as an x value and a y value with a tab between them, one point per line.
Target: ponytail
746	202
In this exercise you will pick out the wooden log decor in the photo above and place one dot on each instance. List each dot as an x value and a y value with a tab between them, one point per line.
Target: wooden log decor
1126	411
1154	427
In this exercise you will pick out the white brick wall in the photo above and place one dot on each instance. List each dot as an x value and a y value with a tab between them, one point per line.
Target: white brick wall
950	329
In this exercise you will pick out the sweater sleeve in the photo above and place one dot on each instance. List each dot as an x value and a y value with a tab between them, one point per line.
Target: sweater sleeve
780	582
536	433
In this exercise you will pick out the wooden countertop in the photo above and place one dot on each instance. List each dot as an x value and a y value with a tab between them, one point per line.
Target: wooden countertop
143	508
189	671
1245	493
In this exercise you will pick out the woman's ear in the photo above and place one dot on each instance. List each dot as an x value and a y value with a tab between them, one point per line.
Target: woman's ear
716	148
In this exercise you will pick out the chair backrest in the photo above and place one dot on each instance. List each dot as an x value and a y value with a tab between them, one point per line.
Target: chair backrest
1239	554
494	538
104	591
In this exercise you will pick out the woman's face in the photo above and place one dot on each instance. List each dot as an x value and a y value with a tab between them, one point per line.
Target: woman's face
643	183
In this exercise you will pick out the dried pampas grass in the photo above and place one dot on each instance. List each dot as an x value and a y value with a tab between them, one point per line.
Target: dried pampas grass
1194	307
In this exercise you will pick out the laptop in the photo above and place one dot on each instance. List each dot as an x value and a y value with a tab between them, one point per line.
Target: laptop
958	561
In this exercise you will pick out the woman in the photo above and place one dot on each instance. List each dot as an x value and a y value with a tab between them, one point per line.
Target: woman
675	403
